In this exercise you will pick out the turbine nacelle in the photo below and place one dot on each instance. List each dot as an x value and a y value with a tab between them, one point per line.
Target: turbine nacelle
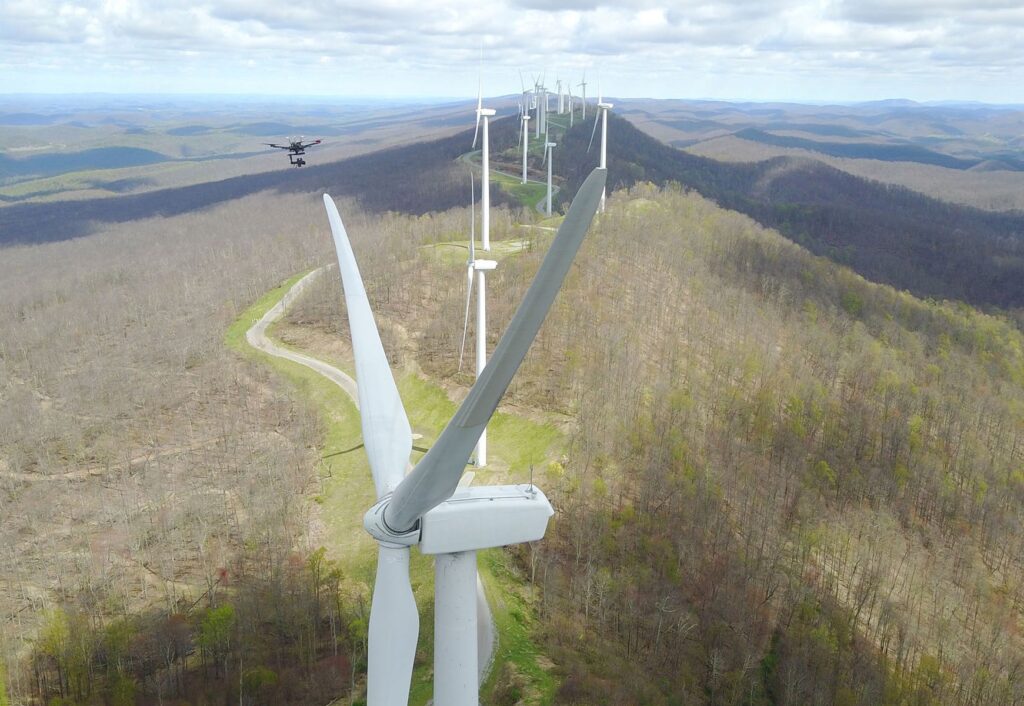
483	517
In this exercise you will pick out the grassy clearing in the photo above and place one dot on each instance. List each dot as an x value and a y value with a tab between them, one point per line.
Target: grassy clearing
527	194
513	605
456	252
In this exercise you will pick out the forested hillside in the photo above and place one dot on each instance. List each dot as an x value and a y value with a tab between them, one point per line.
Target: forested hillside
783	485
157	529
416	178
887	233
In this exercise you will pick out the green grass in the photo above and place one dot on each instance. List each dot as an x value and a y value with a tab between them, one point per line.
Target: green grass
512	605
527	194
456	252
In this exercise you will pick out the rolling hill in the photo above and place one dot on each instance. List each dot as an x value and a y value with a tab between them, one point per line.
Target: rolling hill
888	234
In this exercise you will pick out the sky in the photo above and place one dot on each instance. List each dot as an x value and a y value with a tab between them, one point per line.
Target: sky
761	50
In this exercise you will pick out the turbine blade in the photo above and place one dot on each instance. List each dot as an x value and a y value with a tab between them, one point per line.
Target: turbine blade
546	150
436	476
394	629
386	431
465	318
594	131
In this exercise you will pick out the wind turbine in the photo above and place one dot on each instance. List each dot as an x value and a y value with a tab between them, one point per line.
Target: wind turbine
425	507
602	115
561	96
549	158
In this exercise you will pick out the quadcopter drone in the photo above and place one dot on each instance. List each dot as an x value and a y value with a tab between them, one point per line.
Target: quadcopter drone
296	148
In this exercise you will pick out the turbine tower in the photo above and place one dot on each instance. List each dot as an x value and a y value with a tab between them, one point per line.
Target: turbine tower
583	84
524	140
426	507
485	238
549	158
602	116
572	107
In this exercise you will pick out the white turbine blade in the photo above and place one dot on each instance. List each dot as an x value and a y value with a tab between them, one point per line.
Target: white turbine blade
394	629
546	150
465	318
594	131
436	476
386	432
479	107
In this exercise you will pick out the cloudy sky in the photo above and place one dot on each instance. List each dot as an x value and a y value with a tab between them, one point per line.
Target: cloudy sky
808	50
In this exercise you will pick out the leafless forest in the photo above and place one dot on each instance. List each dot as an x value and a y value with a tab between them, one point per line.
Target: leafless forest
144	467
782	485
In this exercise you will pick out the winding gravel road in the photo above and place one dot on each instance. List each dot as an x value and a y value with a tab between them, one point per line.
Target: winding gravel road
258	339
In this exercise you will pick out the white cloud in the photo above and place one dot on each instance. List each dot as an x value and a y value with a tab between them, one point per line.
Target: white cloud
803	48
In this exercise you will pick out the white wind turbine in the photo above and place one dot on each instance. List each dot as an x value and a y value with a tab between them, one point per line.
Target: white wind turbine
549	148
602	115
561	96
485	238
425	507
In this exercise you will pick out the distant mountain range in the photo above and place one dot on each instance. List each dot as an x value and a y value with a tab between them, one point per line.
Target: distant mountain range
887	233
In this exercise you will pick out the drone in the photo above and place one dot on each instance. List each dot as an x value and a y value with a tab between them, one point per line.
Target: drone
296	148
